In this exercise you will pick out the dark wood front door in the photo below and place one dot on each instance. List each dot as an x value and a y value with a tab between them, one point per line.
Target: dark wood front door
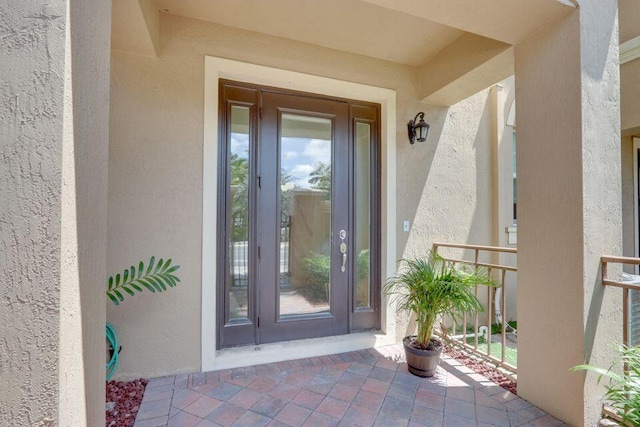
299	211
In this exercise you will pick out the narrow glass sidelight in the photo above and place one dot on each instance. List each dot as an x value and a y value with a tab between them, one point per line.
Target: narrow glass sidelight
238	190
362	215
305	195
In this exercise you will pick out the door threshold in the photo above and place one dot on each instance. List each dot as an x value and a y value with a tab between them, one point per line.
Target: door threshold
238	357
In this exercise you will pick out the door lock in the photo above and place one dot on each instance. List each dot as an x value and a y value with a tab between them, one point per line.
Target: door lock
343	250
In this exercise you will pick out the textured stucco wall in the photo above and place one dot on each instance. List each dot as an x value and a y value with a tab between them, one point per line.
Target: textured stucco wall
53	153
32	45
84	213
567	95
155	172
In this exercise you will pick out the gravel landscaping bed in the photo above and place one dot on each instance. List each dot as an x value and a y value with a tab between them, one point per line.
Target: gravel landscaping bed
482	368
123	402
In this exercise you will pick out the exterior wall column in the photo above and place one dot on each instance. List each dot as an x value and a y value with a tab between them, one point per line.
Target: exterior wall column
54	118
569	208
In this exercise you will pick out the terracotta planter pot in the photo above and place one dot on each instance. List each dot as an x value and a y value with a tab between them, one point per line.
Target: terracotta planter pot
422	363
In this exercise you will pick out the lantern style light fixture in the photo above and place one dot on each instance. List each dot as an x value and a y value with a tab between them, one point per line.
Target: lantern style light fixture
418	131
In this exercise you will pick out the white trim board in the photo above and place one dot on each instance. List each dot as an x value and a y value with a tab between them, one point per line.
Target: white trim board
217	68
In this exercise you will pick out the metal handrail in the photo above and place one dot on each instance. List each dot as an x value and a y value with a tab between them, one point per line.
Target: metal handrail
491	266
626	287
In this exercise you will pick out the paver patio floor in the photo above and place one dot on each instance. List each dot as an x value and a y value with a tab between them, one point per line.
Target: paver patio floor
362	388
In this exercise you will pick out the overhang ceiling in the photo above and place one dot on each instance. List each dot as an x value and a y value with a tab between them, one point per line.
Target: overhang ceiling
457	46
347	25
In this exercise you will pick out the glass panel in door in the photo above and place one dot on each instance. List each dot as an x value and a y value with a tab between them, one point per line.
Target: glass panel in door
362	215
238	249
305	215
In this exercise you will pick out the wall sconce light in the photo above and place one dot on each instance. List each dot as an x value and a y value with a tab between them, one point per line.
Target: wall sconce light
418	131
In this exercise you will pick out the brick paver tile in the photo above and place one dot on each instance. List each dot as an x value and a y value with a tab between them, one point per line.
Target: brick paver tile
517	404
262	384
484	400
396	407
531	413
369	399
429	400
402	392
317	386
382	374
151	396
492	416
199	378
268	406
387	364
504	396
308	399
452	420
223	391
459	407
375	386
330	374
427	416
462	393
343	392
203	406
226	414
284	391
351	379
293	415
320	420
251	419
181	381
360	416
298	378
360	369
245	398
546	421
406	379
433	385
332	407
152	422
183	419
184	397
385	419
206	423
160	381
157	408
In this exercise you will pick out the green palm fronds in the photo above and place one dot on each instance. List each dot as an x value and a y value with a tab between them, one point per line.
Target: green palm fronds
155	278
623	390
431	287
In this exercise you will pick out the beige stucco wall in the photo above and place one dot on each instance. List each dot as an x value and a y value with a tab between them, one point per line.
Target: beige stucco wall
53	176
155	173
570	214
30	184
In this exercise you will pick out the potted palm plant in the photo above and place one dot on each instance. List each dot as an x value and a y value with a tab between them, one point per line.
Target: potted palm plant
429	288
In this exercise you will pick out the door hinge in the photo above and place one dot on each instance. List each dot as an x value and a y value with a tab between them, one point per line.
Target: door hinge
259	181
260	113
258	321
258	252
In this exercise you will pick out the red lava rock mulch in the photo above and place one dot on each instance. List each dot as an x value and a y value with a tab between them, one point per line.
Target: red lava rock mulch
125	398
482	369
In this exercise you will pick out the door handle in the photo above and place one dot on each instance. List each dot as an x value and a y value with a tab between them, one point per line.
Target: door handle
343	251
